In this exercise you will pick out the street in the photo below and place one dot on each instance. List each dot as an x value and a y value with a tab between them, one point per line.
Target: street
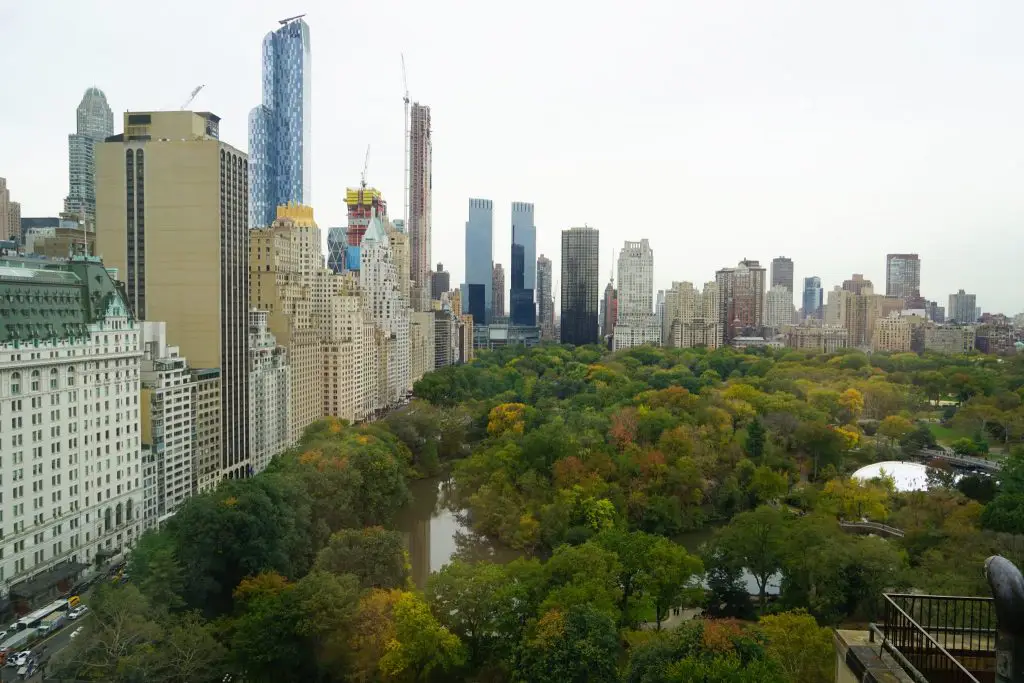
53	644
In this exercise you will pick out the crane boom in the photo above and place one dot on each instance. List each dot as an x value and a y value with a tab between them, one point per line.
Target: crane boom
290	19
192	96
405	99
366	165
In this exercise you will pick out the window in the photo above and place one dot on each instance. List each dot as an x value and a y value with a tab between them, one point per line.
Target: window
71	376
35	381
15	384
54	375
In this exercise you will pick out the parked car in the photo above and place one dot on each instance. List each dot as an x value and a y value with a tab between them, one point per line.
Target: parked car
77	612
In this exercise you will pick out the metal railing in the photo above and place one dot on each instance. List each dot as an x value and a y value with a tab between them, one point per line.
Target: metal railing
941	639
872	526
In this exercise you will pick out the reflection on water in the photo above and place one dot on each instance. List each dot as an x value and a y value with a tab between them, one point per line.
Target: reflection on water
436	534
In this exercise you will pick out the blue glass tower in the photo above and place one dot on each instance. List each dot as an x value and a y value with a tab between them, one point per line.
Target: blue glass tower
279	129
477	294
813	297
523	310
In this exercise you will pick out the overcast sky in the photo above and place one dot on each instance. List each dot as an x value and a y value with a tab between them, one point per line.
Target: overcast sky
828	132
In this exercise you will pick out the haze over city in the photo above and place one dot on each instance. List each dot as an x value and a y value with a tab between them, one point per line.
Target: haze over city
717	130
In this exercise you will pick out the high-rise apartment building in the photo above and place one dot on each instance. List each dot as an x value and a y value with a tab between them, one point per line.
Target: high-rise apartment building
171	216
579	285
903	276
168	428
440	282
280	137
206	446
858	285
962	307
742	299
545	302
778	308
400	252
892	334
95	123
14	221
857	308
388	311
636	324
692	316
6	229
420	186
421	345
477	297
813	298
270	393
69	398
522	308
363	203
782	273
498	290
949	338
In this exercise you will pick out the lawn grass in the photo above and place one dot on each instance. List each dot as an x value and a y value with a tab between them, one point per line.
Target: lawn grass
944	435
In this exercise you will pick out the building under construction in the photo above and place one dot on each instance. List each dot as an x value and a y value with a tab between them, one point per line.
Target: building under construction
363	203
420	185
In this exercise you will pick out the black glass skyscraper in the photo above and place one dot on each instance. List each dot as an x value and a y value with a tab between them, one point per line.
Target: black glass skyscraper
580	248
522	309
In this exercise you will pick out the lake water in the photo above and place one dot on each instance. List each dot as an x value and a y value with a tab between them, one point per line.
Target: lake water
435	534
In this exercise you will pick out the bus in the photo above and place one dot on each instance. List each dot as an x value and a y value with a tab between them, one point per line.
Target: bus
34	619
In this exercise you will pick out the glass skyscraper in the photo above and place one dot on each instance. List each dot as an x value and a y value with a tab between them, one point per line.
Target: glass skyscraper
95	123
813	298
477	298
522	309
279	129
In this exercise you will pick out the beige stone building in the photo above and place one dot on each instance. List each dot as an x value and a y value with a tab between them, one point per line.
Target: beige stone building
692	317
891	334
172	217
421	344
856	307
206	449
6	230
949	338
819	338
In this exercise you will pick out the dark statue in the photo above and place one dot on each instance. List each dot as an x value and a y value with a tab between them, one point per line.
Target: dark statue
1007	587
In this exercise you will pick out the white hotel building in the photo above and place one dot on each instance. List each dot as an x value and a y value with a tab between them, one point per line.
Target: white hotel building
70	480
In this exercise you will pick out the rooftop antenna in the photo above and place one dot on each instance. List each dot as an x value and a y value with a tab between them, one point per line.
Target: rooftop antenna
405	99
290	19
611	269
192	96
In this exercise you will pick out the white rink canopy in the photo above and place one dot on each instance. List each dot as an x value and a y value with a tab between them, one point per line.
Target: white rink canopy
908	476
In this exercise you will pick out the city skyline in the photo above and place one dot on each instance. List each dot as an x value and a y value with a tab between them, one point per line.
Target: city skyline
889	213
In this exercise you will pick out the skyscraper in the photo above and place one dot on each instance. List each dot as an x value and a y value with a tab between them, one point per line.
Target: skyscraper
440	282
545	302
962	307
692	316
6	229
95	123
782	272
609	309
498	290
579	285
903	275
522	308
420	189
171	216
741	291
814	297
477	297
778	307
636	323
280	137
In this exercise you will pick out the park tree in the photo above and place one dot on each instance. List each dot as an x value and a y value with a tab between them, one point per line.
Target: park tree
803	650
755	540
575	645
420	645
375	556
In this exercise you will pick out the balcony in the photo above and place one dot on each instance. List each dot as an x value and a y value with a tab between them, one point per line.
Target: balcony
923	639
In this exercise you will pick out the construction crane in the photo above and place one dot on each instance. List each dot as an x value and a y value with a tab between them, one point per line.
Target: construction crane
290	19
405	99
366	165
192	96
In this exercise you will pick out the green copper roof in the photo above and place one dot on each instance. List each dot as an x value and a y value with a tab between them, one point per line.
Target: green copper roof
43	301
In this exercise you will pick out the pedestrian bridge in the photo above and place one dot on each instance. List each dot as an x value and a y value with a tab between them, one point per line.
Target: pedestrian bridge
871	528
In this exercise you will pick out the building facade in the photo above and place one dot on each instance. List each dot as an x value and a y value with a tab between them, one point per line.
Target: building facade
171	216
579	286
7	231
892	334
522	308
14	220
742	293
609	309
817	338
280	134
692	317
440	282
545	301
813	297
421	345
168	427
388	311
69	400
420	198
962	307
270	393
903	276
778	307
949	338
636	323
478	297
207	448
95	123
782	273
498	290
